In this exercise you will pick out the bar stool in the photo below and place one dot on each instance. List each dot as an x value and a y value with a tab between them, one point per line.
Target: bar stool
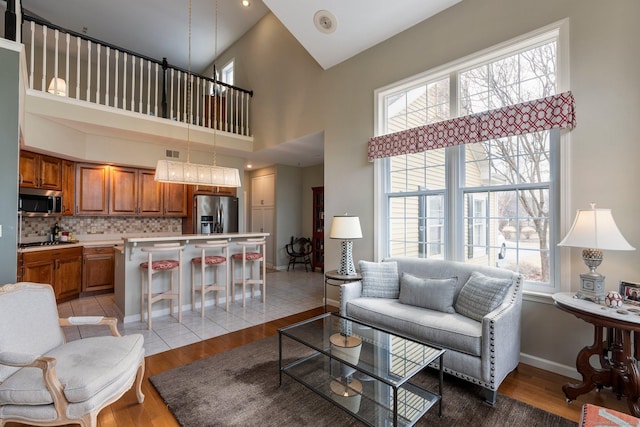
258	255
159	266
202	263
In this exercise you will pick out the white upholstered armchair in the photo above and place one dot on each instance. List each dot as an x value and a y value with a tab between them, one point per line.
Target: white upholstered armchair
45	381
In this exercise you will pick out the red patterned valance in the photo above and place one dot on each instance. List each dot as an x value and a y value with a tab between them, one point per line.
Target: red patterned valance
552	112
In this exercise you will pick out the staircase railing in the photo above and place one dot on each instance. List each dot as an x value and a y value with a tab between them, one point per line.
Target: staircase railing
73	65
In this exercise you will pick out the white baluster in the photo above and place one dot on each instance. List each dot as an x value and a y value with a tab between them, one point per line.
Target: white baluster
44	58
88	70
155	108
78	45
66	66
242	101
124	82
198	80
178	87
107	95
171	98
98	51
133	82
31	60
56	38
115	83
140	85
148	87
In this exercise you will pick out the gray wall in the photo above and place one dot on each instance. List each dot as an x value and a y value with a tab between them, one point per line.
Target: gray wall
9	145
294	97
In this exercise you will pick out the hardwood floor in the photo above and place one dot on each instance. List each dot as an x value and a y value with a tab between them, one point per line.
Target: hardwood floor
528	384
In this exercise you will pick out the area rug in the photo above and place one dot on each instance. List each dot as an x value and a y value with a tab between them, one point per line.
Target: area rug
240	388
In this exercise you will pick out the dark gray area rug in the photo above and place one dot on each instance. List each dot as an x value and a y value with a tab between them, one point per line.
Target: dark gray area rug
240	388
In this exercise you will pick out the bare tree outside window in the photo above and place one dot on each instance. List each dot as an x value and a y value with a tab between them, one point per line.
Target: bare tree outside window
520	163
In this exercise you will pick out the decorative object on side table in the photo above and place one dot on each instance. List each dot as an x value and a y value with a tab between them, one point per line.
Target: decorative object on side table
595	230
346	228
613	299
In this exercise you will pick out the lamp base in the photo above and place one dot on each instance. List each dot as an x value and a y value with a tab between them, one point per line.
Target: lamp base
591	287
346	259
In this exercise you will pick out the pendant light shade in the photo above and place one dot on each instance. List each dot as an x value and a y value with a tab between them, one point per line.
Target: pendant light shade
173	172
192	173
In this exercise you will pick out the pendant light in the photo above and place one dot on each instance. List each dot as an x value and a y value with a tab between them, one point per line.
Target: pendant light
192	173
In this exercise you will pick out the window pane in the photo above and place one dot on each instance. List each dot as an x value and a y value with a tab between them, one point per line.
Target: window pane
416	226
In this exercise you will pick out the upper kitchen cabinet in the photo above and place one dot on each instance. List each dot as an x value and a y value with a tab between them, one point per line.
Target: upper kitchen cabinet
214	190
149	194
92	189
124	191
68	187
40	171
175	200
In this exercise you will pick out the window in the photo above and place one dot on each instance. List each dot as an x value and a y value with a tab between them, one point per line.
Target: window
492	202
227	73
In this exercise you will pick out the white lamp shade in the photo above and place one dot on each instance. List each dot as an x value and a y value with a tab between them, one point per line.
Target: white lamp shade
345	227
595	229
57	86
191	173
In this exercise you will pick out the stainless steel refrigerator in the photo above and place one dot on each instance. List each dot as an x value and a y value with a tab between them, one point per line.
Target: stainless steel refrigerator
215	214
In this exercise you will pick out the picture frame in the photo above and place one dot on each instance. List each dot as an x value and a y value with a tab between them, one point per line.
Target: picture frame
630	292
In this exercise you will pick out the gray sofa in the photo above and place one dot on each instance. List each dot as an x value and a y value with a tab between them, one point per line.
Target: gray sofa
481	351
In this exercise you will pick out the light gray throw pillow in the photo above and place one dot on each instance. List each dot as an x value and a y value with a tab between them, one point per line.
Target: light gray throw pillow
380	279
434	294
481	295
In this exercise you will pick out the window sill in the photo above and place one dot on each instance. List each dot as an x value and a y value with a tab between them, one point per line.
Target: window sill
539	297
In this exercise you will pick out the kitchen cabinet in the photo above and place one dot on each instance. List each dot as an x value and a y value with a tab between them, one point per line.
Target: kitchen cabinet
174	200
214	190
125	191
40	171
149	194
263	190
61	268
92	189
317	238
98	269
68	187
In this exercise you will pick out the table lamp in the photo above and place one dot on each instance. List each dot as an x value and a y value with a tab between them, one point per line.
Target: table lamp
346	228
594	230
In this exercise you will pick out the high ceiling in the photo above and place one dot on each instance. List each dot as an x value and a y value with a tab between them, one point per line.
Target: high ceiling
331	31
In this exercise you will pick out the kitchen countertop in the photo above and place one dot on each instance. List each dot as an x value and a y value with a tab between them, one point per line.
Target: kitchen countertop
135	238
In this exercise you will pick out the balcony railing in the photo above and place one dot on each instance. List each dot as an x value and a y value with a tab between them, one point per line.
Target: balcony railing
70	64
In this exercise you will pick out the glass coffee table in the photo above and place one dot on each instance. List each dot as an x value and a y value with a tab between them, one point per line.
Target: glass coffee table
362	369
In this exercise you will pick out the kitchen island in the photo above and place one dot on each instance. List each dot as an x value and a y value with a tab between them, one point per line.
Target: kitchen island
127	270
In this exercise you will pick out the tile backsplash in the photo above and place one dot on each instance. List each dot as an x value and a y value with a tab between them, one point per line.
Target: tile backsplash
41	227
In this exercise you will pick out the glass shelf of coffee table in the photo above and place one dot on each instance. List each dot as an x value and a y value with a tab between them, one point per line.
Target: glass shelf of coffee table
362	369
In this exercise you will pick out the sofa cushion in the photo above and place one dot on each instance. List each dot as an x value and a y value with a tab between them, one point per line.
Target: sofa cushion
434	294
380	279
481	295
443	330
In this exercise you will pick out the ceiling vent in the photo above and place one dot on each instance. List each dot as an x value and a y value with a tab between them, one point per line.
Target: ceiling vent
325	22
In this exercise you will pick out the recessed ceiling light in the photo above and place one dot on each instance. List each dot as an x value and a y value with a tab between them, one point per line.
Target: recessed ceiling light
246	3
325	22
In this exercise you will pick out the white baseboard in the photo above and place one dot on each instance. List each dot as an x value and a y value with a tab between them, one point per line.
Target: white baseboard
547	365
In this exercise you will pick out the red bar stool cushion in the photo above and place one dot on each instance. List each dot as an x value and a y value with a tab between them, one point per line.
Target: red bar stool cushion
209	260
161	264
249	256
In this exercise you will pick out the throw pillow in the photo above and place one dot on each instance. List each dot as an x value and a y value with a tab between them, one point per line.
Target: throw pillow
434	294
380	279
481	295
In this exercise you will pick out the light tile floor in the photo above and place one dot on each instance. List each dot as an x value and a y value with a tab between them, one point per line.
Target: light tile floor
287	293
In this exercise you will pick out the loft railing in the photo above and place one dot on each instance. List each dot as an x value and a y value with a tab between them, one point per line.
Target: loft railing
98	72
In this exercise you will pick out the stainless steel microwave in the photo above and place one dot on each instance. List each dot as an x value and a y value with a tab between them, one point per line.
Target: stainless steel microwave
38	202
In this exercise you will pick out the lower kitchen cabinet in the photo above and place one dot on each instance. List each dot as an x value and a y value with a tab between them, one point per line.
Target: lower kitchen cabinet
61	268
98	269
